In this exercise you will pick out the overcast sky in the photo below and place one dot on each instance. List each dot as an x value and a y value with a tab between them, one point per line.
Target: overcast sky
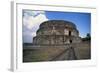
32	20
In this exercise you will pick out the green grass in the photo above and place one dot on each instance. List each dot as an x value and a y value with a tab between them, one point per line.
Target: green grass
38	55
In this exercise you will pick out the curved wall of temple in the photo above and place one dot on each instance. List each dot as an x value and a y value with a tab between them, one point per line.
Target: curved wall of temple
56	32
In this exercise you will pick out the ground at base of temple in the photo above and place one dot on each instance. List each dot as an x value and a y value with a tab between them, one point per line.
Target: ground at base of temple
80	51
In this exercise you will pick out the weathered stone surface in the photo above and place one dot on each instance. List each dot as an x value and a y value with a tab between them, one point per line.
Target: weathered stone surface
56	32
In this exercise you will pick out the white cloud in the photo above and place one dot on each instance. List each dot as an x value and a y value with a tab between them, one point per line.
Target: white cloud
31	21
32	13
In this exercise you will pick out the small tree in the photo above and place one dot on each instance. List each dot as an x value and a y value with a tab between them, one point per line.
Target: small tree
87	38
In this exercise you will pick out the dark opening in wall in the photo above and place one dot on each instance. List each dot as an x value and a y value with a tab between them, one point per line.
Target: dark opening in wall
70	41
69	33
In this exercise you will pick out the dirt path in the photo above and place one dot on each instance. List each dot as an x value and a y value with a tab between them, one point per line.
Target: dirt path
67	54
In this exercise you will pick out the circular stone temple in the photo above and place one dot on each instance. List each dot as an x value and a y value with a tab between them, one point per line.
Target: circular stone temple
56	32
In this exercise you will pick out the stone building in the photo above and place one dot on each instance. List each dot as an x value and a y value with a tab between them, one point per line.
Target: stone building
56	32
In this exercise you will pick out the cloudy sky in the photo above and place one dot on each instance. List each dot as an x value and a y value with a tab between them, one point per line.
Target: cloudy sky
32	20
